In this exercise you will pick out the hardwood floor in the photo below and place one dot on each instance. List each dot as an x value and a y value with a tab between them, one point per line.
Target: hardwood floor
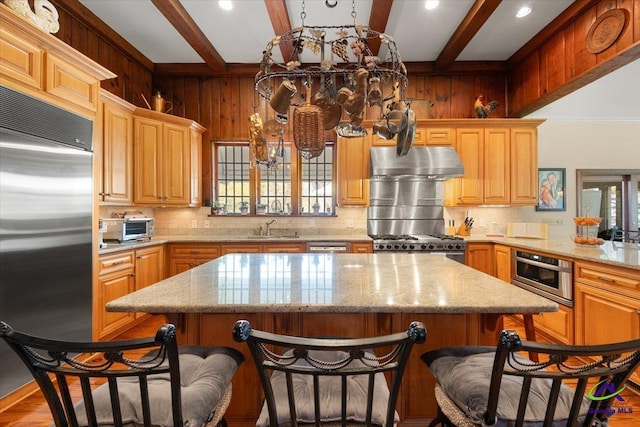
34	412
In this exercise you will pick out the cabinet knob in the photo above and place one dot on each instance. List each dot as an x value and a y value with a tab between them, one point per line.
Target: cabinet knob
133	275
139	257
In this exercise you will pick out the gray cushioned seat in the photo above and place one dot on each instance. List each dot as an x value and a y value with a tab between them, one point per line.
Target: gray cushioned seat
205	374
464	373
330	395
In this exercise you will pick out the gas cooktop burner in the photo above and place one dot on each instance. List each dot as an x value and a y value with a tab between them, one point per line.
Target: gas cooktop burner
426	243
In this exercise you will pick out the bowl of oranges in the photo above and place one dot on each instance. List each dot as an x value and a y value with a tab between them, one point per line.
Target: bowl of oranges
587	221
580	239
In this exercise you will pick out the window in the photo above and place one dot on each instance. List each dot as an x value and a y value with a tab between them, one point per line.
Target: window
612	195
296	186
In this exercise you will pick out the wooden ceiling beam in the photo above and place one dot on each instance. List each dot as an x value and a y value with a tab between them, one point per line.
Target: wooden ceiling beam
470	25
380	10
279	16
178	16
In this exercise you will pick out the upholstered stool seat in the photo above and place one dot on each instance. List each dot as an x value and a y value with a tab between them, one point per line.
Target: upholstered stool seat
140	382
205	384
569	386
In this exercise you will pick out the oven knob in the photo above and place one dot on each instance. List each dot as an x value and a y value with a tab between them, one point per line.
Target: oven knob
396	247
423	247
389	246
412	247
404	246
458	246
449	246
431	246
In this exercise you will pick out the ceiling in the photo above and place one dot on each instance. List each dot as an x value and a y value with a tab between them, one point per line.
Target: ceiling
199	31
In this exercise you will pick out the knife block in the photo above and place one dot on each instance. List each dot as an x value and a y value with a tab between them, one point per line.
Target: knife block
463	231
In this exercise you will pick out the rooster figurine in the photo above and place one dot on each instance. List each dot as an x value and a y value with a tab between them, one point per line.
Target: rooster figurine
482	111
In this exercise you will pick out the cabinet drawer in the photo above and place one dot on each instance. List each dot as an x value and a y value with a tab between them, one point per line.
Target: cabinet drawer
190	251
439	136
108	264
616	279
20	60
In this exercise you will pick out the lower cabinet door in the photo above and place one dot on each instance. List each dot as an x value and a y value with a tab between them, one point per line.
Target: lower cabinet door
112	287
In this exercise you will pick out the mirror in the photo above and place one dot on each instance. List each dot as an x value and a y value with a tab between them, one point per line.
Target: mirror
612	195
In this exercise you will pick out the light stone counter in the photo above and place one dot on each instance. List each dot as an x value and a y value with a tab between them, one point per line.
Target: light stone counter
332	283
612	253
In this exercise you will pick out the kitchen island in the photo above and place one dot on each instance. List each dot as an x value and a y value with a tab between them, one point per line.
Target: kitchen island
354	295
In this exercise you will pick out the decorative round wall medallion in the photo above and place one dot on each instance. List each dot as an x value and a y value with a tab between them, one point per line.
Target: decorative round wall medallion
606	30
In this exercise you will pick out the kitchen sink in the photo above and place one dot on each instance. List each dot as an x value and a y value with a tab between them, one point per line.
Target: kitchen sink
274	237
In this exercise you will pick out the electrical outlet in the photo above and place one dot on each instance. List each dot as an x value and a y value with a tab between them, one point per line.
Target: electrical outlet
551	221
312	223
349	223
194	223
207	224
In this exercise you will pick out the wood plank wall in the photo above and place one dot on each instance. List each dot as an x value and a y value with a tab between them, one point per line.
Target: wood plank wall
80	29
563	64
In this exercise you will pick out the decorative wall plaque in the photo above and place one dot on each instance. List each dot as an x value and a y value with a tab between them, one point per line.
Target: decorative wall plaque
606	30
44	15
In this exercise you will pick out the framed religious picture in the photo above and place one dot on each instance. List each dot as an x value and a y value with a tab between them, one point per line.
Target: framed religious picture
551	183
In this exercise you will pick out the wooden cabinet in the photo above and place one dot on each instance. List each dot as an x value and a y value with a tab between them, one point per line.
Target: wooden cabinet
116	278
607	305
556	327
165	165
353	171
480	257
118	275
115	126
149	268
184	256
500	159
439	135
257	248
39	64
469	189
524	166
361	247
502	257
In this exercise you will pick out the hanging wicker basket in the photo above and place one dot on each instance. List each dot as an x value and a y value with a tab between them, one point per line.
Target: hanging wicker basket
308	127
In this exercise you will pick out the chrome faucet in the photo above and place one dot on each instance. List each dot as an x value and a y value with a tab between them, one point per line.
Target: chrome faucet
268	231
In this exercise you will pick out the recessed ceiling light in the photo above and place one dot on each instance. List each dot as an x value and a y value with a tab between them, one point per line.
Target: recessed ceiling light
225	4
431	4
524	11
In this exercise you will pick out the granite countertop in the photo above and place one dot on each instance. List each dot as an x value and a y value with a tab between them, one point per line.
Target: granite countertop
347	283
235	238
612	253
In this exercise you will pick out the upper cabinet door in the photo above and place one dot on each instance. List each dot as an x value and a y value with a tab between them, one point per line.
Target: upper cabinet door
117	151
148	161
353	171
497	174
470	148
524	166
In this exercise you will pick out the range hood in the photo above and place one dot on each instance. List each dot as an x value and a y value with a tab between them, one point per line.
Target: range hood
432	163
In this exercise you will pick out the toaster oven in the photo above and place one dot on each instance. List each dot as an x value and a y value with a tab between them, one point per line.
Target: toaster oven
127	229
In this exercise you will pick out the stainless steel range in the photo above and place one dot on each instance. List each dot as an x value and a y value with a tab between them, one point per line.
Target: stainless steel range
452	247
406	212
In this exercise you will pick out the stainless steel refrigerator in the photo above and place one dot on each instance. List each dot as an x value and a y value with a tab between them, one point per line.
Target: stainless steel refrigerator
45	225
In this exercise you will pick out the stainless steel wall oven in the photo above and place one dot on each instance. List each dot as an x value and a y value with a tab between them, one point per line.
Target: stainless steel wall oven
546	276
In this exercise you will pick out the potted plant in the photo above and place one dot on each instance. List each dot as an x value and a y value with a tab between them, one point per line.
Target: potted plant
217	208
316	207
244	208
261	208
